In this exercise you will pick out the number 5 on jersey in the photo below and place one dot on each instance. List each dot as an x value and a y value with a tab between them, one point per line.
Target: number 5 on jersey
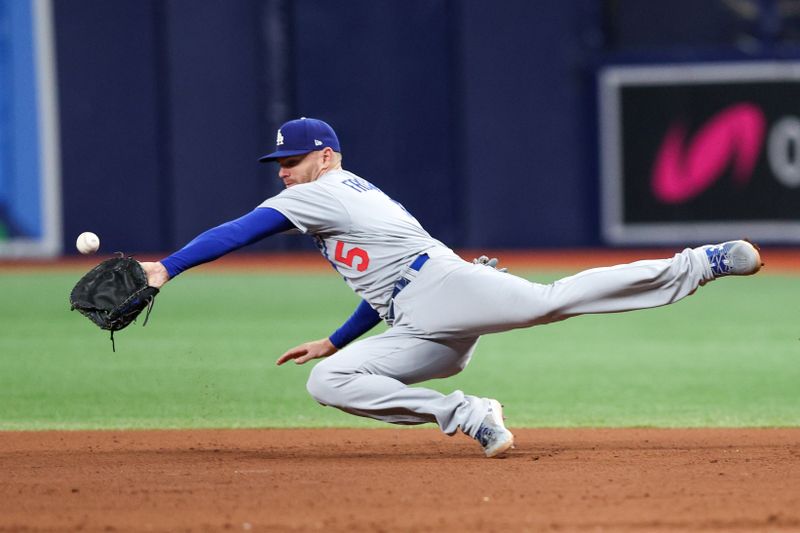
351	255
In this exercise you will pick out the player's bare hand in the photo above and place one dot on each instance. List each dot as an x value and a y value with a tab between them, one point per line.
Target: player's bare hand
492	263
157	275
308	351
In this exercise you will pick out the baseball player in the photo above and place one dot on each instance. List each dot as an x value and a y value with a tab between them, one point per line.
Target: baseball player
437	304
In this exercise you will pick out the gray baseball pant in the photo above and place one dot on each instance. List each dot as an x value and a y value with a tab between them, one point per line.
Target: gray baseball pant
450	303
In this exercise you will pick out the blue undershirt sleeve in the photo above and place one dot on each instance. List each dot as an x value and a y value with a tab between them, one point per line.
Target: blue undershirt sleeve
216	242
363	319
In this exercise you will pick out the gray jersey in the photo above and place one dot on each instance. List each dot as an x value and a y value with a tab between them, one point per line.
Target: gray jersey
368	237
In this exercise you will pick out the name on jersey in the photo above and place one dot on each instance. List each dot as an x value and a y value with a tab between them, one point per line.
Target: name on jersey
359	185
362	185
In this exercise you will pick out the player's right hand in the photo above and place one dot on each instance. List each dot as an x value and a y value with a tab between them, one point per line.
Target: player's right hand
308	351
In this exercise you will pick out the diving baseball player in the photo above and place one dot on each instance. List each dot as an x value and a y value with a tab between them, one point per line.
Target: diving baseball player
437	304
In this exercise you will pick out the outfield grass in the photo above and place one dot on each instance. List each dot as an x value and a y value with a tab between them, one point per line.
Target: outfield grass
727	357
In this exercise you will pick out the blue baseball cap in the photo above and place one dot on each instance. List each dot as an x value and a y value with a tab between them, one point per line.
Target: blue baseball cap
302	136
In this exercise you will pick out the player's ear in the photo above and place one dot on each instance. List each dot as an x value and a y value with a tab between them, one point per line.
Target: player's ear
327	156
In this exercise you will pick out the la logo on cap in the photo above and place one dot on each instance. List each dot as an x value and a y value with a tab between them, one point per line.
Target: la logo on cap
279	140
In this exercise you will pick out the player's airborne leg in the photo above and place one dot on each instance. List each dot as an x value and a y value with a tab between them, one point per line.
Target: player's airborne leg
483	301
647	284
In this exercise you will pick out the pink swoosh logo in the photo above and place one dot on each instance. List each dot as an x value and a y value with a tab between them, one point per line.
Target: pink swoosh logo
734	135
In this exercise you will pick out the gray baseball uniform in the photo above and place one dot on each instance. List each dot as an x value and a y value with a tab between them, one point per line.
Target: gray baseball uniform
442	305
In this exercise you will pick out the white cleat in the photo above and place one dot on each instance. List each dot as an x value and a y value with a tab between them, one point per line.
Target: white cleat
733	258
493	435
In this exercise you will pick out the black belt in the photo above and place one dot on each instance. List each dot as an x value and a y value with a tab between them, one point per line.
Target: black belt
401	284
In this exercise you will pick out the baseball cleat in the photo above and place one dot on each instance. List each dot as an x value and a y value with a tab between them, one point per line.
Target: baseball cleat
492	434
733	258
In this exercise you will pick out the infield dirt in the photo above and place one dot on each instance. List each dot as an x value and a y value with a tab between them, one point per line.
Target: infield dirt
400	480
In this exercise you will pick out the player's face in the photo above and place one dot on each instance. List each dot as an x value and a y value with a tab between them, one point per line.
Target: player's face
302	168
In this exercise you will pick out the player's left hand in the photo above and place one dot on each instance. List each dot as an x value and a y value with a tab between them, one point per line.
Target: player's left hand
157	274
308	351
484	260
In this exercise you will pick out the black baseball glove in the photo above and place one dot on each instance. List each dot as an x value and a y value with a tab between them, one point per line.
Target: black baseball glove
113	294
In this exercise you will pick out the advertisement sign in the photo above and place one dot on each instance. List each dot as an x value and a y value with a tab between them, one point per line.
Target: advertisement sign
700	153
29	161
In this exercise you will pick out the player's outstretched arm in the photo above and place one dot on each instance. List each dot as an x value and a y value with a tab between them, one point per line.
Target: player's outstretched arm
308	351
216	242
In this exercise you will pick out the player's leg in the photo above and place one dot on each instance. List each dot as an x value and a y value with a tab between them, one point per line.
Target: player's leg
479	300
371	378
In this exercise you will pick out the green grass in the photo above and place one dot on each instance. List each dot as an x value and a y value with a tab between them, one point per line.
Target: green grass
727	357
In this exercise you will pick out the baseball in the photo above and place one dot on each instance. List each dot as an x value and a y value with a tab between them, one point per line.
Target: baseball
87	243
